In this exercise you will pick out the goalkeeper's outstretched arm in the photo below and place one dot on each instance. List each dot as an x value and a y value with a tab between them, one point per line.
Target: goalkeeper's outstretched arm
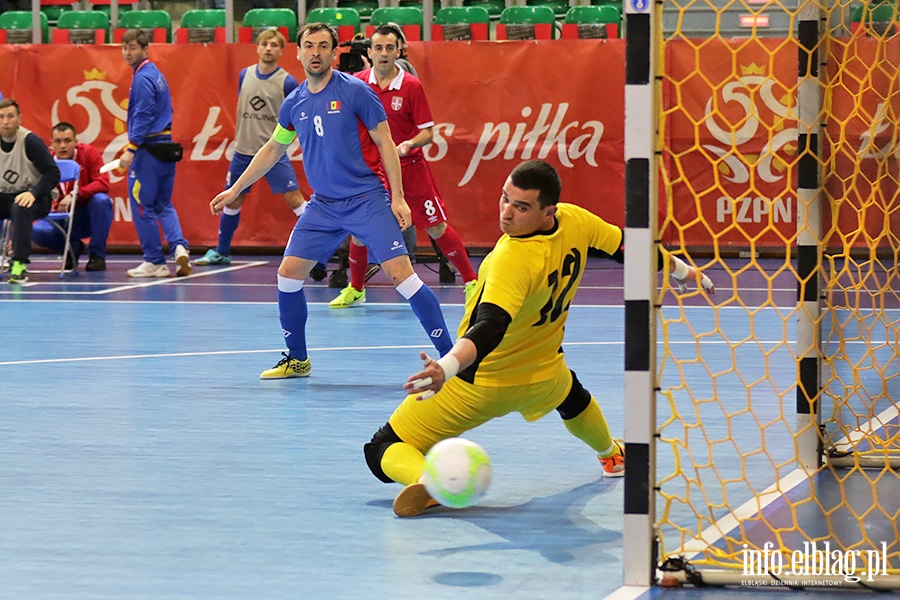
480	340
680	271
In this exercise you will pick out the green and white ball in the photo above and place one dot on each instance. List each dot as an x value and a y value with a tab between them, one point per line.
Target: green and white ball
457	472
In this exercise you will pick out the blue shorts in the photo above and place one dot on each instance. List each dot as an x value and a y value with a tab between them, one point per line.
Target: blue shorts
281	177
325	224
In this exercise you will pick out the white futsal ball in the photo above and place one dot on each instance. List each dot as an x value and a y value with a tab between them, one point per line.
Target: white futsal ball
457	472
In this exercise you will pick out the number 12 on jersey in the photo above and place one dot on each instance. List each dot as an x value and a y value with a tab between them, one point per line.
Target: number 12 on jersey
559	299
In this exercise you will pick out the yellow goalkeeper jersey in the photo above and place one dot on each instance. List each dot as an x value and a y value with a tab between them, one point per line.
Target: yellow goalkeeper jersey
534	279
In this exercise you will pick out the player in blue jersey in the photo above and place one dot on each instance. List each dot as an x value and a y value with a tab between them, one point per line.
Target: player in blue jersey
347	151
150	160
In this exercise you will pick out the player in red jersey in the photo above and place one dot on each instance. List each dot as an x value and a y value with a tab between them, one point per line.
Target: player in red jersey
411	123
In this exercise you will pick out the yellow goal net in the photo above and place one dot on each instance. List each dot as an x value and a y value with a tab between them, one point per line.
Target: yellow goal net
777	437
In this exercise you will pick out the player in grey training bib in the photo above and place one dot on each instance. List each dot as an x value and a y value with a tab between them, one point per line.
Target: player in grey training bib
261	90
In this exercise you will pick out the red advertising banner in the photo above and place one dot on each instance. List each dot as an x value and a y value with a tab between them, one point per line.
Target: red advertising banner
731	142
495	104
862	143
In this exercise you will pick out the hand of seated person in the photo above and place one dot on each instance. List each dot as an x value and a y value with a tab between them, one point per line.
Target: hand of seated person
65	203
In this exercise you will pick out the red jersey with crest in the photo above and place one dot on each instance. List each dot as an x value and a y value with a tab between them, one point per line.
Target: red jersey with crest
406	107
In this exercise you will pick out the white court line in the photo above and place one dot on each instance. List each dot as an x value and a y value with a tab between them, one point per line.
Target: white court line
729	522
777	490
232	352
186	354
848	442
628	592
139	283
715	532
164	281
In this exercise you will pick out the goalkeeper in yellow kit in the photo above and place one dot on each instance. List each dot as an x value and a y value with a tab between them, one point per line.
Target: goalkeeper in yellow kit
509	353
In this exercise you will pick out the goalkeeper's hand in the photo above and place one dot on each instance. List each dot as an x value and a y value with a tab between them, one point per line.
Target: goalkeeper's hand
683	272
432	377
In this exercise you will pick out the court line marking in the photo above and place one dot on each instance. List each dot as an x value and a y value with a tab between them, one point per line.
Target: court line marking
324	349
269	350
139	282
774	492
847	442
188	354
167	280
628	592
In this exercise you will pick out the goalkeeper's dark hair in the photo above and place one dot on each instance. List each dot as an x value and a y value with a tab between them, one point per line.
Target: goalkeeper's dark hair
541	176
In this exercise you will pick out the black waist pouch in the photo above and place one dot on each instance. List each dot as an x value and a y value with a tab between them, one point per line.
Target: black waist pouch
165	151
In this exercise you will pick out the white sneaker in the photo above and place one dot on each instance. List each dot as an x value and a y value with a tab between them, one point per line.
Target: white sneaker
148	269
183	260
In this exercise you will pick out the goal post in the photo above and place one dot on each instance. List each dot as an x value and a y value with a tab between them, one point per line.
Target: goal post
809	234
641	239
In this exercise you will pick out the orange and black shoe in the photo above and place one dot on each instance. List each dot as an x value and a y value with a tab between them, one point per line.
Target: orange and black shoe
614	466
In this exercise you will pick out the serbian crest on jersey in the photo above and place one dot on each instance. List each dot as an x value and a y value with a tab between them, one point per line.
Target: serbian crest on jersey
396	102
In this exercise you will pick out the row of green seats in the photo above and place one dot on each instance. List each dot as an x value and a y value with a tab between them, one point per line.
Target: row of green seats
493	7
21	21
410	15
475	15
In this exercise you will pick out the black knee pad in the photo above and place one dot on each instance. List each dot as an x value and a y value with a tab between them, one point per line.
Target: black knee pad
577	400
375	449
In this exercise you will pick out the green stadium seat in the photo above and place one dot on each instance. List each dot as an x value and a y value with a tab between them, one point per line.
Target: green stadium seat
494	7
409	18
258	19
202	26
15	27
157	24
81	27
345	20
559	7
364	8
874	19
461	23
526	23
583	22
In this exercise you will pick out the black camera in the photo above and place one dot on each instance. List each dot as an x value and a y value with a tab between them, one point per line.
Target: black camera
357	58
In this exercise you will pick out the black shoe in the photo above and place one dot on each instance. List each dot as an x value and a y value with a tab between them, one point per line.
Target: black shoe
95	263
319	272
338	279
71	262
372	269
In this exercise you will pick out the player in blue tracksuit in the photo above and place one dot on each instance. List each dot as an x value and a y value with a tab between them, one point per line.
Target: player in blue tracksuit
342	129
151	179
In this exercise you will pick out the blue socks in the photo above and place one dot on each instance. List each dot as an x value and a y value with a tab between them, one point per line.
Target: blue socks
228	224
426	307
292	311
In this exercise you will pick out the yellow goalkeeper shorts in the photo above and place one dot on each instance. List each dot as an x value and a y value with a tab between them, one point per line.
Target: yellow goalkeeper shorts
460	406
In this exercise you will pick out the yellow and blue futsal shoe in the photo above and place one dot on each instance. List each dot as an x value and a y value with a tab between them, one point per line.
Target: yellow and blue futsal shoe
288	368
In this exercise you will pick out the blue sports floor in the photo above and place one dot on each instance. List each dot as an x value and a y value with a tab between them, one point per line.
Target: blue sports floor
142	458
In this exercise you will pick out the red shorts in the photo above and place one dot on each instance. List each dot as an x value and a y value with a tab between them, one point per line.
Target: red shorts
422	195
